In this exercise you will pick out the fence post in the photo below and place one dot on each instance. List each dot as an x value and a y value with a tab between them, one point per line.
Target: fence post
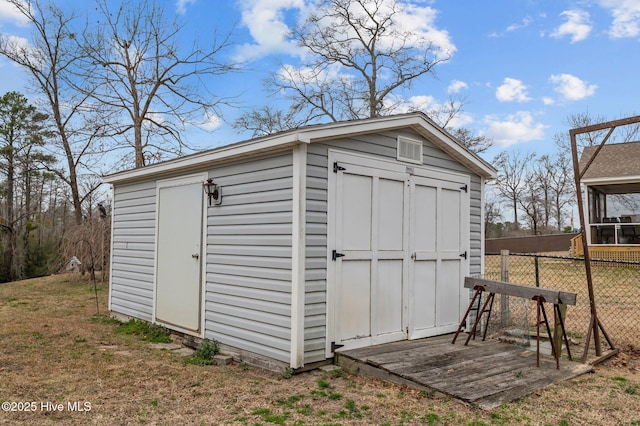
504	299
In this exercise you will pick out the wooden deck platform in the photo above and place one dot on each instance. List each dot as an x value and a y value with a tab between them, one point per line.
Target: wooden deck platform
484	374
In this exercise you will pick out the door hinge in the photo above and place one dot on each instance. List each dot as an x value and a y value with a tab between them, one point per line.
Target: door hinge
335	255
334	346
465	188
464	254
337	168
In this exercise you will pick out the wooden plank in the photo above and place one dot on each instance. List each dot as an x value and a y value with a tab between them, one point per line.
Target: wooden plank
421	362
529	384
464	372
524	291
484	373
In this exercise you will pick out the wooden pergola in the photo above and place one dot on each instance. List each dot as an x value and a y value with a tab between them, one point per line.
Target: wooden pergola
595	326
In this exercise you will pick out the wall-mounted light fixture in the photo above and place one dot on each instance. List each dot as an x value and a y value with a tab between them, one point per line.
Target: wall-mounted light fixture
213	191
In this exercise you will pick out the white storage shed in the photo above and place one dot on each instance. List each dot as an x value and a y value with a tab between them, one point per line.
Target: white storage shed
336	235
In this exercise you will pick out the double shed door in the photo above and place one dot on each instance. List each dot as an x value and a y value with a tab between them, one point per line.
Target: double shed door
398	239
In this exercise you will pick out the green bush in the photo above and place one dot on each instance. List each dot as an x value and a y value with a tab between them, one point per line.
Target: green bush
205	353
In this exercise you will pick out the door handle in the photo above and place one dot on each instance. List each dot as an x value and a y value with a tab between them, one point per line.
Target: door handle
195	256
413	256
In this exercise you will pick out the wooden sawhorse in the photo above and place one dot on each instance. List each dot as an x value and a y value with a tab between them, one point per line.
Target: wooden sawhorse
540	295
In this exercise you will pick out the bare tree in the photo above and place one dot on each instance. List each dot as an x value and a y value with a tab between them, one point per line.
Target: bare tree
475	143
560	185
531	202
492	227
267	120
89	243
148	80
50	61
542	176
546	192
512	170
622	134
358	54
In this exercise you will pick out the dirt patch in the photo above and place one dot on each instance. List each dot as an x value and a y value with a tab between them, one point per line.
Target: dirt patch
54	353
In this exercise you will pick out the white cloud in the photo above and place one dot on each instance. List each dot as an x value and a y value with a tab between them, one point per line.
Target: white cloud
9	13
16	42
515	128
456	86
577	26
437	111
525	23
414	103
547	100
265	20
571	87
269	22
512	90
461	119
306	75
420	21
211	122
17	45
626	17
181	6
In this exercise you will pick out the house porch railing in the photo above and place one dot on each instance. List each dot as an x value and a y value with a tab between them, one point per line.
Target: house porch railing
619	252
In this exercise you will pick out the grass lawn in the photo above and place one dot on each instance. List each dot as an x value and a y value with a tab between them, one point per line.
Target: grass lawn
54	350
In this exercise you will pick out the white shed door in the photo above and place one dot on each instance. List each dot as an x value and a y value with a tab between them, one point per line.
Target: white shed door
438	240
371	234
401	241
178	255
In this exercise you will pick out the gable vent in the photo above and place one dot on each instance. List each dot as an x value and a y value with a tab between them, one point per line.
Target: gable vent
409	150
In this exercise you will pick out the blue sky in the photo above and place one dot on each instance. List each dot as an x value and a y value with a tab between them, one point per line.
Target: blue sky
522	66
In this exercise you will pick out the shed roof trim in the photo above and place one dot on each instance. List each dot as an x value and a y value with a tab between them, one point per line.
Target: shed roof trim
417	121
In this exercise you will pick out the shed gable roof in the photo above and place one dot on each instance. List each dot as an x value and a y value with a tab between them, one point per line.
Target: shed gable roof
615	160
416	121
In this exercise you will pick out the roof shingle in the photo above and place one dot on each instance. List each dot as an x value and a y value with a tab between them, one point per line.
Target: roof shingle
614	160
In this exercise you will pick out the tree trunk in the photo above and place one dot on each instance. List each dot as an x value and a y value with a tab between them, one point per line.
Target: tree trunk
11	225
75	193
137	130
559	215
71	164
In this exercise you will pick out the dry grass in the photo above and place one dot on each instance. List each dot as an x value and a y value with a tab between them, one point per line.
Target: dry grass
51	350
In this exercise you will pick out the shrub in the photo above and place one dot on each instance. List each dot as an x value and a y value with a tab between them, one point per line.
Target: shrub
205	353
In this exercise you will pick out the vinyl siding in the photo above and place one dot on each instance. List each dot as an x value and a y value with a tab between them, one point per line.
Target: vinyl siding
379	145
248	254
133	255
316	256
248	246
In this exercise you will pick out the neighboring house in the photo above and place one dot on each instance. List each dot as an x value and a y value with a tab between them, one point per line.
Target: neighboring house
336	235
611	190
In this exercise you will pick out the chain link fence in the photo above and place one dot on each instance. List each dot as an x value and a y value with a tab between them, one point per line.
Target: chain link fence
616	289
